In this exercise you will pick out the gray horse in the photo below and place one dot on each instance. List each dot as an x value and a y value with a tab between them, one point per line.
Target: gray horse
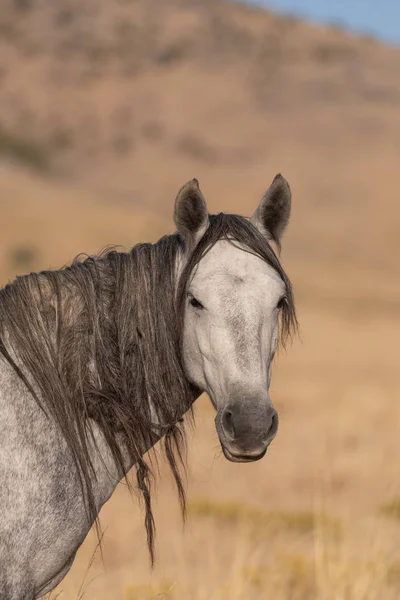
102	359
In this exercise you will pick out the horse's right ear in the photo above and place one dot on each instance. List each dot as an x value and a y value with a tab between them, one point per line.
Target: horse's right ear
191	215
272	215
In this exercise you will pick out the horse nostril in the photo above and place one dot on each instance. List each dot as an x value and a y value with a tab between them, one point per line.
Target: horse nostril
274	426
227	423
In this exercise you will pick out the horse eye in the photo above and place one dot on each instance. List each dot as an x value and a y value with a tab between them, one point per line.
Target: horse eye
282	302
195	303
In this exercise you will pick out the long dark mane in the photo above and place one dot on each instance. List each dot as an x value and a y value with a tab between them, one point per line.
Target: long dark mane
101	339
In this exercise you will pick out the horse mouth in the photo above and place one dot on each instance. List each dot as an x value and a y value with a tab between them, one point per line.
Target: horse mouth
243	458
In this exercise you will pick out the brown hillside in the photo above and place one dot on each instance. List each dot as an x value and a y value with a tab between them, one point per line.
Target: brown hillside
106	109
131	97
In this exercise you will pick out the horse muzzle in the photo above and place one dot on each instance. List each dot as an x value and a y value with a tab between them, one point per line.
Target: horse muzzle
246	428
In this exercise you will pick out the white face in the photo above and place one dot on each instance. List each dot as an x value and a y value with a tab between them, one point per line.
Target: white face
231	320
231	330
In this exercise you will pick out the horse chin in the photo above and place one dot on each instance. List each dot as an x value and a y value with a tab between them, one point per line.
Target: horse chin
242	458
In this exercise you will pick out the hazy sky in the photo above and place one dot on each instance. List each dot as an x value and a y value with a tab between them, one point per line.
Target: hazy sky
380	17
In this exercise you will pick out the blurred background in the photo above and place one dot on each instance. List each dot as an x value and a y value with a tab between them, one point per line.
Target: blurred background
106	109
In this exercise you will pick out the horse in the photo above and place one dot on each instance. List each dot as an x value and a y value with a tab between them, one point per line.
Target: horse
104	358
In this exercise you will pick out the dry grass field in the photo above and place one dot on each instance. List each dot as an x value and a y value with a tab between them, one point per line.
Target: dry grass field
106	109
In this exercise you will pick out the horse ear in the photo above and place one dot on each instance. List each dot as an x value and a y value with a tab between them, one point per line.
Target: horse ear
191	215
272	215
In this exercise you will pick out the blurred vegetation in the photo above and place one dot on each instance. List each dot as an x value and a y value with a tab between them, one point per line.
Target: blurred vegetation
159	589
232	512
23	257
292	576
23	5
391	509
25	151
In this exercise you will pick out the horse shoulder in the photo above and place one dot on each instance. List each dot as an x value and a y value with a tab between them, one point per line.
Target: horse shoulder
42	515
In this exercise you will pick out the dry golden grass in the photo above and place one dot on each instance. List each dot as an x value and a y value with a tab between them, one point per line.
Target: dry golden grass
260	521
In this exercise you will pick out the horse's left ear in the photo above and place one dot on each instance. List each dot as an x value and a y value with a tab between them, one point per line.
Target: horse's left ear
273	213
191	214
